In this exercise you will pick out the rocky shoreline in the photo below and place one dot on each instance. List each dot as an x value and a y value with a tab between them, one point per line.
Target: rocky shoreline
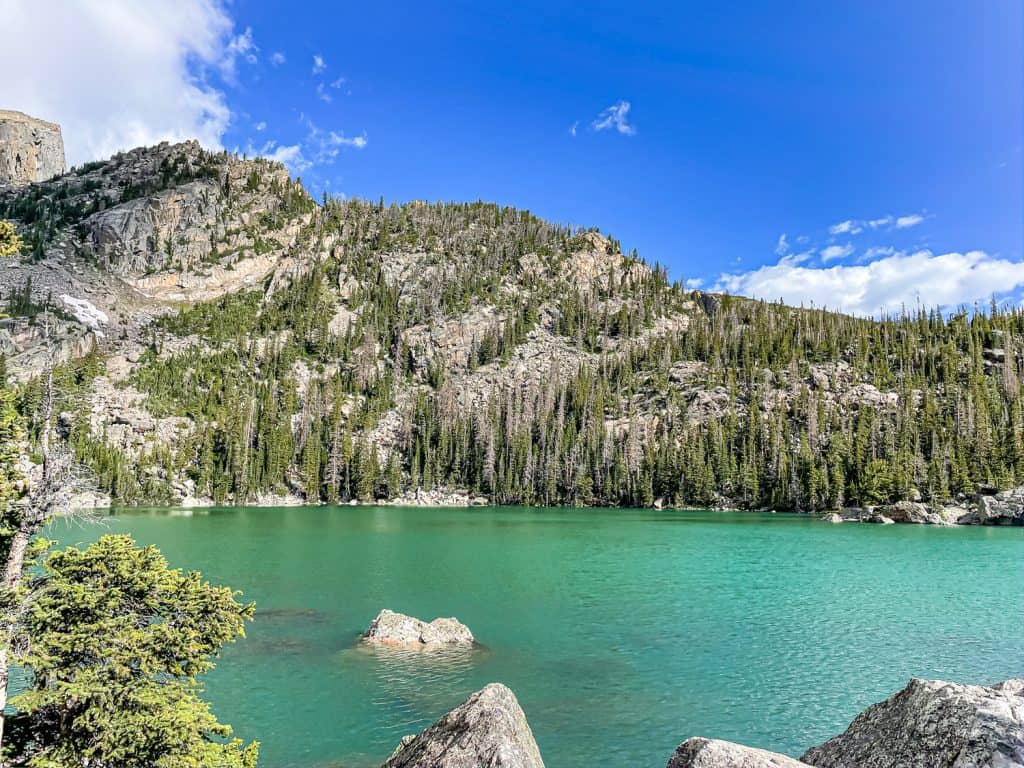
988	507
928	724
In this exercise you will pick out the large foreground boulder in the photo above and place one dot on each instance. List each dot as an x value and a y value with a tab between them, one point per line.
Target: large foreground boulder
933	724
390	628
699	752
488	730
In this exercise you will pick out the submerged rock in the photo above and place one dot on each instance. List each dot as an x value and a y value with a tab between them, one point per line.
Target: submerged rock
390	628
933	724
699	752
488	730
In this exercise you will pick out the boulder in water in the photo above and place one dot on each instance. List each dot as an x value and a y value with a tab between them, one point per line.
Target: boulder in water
390	628
933	724
488	730
699	752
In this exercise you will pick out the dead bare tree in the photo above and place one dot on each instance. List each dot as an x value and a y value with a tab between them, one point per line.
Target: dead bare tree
50	493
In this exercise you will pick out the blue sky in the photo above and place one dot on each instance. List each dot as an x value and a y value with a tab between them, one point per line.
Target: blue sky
883	139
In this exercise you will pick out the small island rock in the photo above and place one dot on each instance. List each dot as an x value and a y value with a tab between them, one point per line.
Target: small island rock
488	730
390	628
699	752
933	724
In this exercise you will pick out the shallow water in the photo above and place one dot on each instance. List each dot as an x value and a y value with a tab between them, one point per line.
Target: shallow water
621	632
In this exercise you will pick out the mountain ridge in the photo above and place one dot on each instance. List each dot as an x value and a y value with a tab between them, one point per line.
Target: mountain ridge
260	346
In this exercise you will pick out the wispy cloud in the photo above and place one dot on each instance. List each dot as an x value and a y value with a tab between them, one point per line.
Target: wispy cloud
856	226
277	58
291	155
833	252
615	117
241	47
319	65
903	222
322	94
572	129
782	247
261	125
848	227
888	284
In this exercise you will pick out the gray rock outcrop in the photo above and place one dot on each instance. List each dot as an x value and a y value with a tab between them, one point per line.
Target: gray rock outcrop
30	149
488	730
699	752
916	512
391	628
1004	508
933	724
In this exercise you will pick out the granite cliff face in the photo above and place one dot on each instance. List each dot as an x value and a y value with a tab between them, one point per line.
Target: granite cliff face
30	149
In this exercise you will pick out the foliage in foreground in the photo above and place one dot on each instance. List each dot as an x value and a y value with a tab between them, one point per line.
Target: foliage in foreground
116	641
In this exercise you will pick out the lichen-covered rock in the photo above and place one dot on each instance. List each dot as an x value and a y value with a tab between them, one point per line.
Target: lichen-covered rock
30	149
933	724
1004	508
390	628
916	512
699	752
488	730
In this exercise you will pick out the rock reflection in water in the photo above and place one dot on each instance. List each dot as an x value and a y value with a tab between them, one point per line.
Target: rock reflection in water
412	685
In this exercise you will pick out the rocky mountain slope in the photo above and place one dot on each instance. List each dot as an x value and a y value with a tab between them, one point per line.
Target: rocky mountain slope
224	338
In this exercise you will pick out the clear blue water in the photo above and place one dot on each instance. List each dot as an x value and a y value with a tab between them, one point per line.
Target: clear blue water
621	632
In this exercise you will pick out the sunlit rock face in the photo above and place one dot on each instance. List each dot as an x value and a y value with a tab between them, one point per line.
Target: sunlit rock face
488	730
30	149
933	724
397	629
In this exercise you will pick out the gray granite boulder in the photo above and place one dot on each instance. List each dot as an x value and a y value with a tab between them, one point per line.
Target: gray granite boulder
1003	508
699	752
488	730
933	724
390	628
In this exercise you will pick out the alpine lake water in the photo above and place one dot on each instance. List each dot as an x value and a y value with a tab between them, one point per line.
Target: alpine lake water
622	632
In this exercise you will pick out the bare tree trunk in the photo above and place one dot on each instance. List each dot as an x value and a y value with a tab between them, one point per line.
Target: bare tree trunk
43	501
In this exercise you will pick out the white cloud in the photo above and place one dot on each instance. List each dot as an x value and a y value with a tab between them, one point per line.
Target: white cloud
318	64
339	140
912	220
615	116
832	252
120	73
882	222
322	94
848	227
291	155
261	125
239	47
885	285
277	58
572	129
782	248
338	83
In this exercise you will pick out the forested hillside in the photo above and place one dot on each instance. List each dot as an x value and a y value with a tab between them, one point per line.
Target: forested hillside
395	351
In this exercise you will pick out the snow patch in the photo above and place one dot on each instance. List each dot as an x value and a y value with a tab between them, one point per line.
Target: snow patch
85	312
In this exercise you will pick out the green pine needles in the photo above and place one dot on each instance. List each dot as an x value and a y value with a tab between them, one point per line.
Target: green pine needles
116	641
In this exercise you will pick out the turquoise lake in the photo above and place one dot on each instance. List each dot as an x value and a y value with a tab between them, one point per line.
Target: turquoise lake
622	632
